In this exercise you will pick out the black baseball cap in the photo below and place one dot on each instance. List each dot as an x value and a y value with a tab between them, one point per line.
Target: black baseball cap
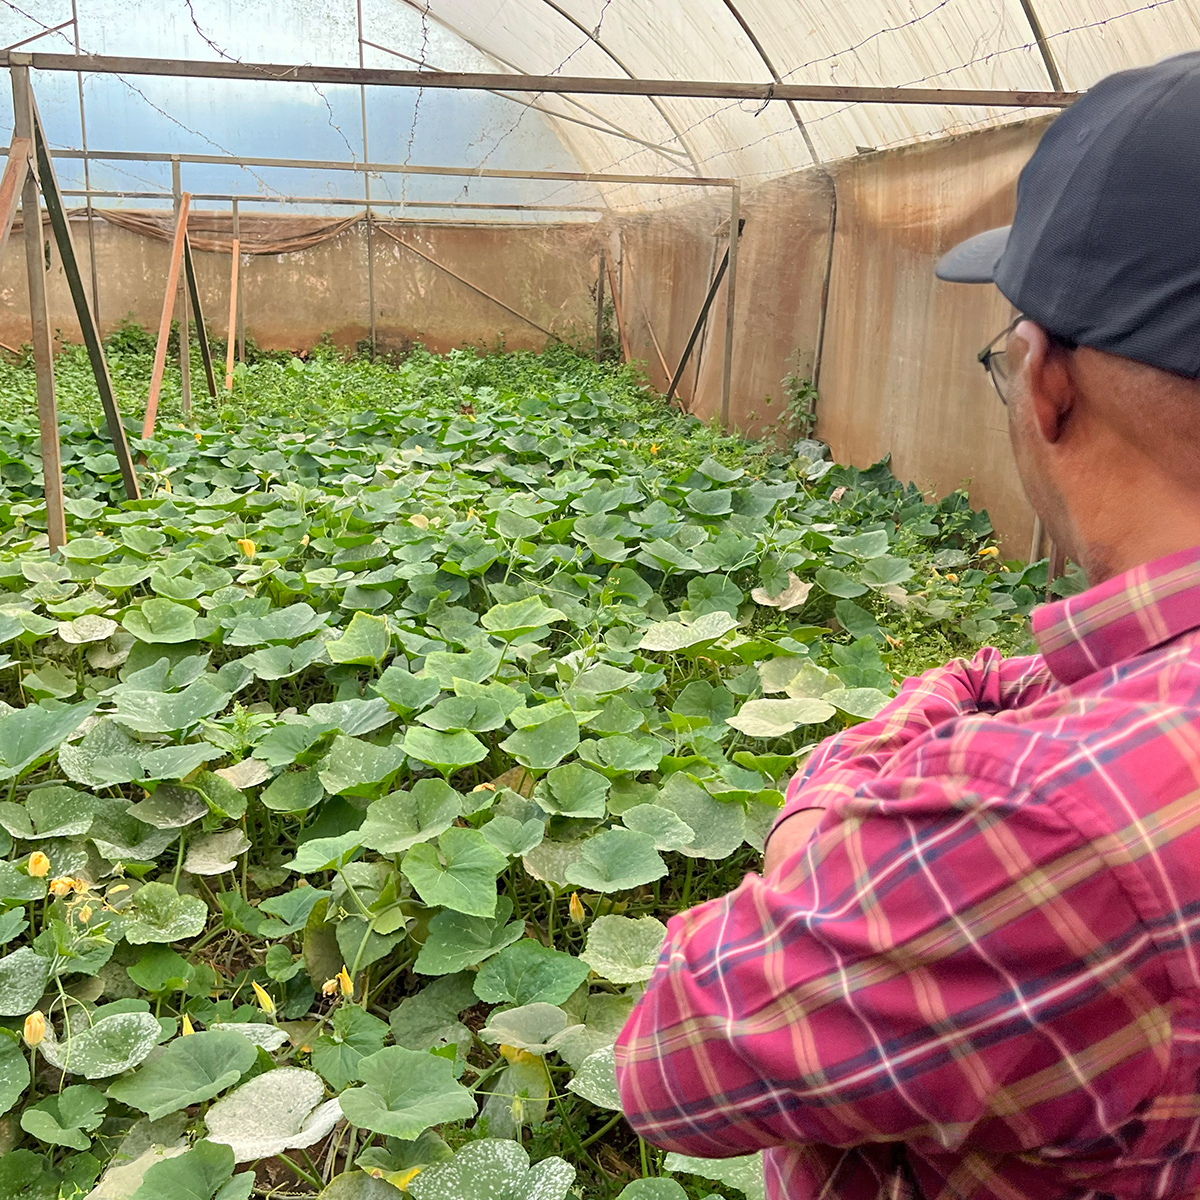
1104	249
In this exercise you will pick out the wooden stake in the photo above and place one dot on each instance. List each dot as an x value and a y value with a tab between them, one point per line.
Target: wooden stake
13	180
233	304
39	321
185	341
600	306
616	299
164	324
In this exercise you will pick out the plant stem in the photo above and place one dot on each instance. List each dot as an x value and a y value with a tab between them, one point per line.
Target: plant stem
595	1137
297	1169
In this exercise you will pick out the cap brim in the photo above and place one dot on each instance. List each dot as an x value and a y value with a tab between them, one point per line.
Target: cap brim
974	261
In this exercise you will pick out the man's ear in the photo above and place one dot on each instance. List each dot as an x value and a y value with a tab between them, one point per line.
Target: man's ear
1048	376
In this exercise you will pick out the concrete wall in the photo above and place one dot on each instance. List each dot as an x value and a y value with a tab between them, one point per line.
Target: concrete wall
545	272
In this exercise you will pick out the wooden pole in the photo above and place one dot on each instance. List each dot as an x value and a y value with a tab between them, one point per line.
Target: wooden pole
241	327
193	288
614	292
164	323
600	306
233	309
83	311
735	225
39	321
185	341
15	171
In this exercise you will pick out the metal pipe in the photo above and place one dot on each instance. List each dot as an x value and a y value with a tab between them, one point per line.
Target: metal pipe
699	325
318	164
362	100
102	64
752	37
87	177
823	314
241	326
735	229
251	198
1043	45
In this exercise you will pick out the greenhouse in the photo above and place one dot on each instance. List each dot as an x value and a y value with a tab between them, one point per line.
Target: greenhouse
459	460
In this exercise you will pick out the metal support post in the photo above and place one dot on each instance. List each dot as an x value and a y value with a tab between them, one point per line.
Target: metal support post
700	320
193	288
39	321
185	348
735	222
231	335
600	305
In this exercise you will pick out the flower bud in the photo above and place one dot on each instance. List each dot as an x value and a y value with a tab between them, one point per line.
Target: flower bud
39	865
188	1027
85	913
346	983
264	999
330	987
576	910
34	1032
247	547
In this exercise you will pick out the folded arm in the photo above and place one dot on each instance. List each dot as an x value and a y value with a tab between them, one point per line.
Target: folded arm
868	990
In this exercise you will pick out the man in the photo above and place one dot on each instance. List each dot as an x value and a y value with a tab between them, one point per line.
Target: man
971	968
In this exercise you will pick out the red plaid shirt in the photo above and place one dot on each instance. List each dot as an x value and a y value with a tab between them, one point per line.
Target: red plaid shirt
981	976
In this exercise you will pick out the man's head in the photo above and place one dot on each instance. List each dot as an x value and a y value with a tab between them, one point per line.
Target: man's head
1100	375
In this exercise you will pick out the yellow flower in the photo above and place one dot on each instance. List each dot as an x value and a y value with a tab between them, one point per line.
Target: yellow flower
346	983
993	551
197	437
85	913
247	547
576	909
264	998
654	449
35	1029
330	987
952	578
188	1027
39	864
60	886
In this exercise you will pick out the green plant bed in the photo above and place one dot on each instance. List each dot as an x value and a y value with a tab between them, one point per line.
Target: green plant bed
353	772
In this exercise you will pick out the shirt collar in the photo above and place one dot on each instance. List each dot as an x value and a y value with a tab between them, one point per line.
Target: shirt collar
1120	618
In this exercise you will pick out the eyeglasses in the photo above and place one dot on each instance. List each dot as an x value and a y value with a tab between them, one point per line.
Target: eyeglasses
994	359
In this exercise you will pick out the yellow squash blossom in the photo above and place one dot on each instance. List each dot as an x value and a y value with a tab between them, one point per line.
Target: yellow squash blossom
188	1027
35	1029
576	909
39	865
247	547
264	998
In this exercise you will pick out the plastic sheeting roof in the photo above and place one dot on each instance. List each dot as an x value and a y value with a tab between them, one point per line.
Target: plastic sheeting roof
977	44
935	43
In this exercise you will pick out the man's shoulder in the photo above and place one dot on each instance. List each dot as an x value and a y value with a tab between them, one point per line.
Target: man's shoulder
1130	733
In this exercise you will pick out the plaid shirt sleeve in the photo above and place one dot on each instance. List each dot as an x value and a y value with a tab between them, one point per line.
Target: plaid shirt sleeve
922	971
988	683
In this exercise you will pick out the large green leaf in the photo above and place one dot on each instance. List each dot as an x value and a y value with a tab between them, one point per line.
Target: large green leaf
744	1173
405	1092
161	622
367	640
573	791
529	973
674	635
456	941
616	860
158	913
624	949
276	1111
495	1169
110	1045
354	767
445	751
190	1070
204	1172
540	747
27	734
160	712
459	873
67	1118
777	718
14	1072
399	821
23	977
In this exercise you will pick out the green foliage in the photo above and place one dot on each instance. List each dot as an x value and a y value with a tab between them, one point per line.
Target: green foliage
426	690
